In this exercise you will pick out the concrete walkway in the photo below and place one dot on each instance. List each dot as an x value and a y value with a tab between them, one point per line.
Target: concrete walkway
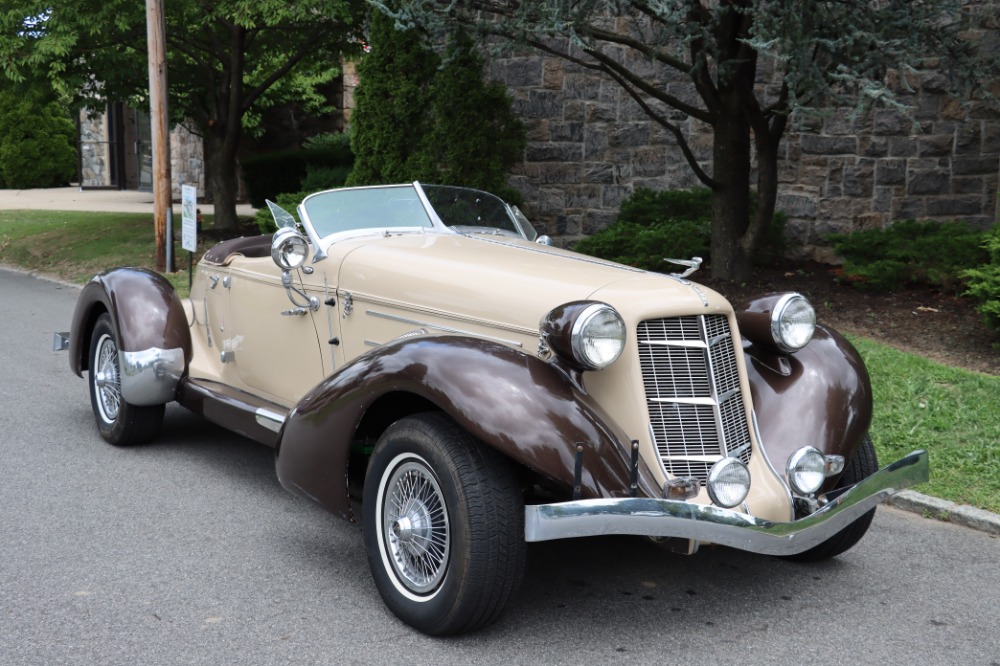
107	201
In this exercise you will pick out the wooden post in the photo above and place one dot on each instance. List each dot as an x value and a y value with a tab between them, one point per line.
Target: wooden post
156	33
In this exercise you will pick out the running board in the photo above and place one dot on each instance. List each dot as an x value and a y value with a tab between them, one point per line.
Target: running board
239	411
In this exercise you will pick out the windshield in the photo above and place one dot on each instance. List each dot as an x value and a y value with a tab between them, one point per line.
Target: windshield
470	210
365	208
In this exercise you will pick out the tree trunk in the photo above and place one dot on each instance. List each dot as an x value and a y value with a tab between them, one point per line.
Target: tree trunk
731	197
220	173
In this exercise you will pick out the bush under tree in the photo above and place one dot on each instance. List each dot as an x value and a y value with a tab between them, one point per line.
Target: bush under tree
910	252
984	281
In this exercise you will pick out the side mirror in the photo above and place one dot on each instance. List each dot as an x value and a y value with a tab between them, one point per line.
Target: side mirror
545	240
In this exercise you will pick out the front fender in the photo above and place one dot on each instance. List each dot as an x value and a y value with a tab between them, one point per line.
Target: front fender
820	396
516	403
150	325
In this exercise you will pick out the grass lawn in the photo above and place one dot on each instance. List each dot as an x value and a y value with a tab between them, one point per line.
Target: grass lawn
74	246
919	404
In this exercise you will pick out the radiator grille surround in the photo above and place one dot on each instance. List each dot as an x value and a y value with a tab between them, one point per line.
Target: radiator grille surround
693	396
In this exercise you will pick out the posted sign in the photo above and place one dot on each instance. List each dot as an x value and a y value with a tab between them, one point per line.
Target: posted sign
189	217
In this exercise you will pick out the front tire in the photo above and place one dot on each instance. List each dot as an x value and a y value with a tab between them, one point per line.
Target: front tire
443	523
119	422
863	464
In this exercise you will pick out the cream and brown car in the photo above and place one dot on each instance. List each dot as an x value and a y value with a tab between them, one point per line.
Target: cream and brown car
424	364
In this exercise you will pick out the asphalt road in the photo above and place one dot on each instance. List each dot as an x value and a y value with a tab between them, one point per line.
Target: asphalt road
188	551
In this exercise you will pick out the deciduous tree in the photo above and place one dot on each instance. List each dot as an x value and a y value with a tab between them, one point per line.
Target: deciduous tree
227	60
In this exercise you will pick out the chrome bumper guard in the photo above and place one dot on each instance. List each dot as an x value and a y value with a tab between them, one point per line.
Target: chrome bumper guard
711	524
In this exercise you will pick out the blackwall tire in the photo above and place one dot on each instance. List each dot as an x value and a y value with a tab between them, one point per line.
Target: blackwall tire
443	523
119	422
862	465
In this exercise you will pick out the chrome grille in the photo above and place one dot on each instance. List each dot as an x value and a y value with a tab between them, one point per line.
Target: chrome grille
693	393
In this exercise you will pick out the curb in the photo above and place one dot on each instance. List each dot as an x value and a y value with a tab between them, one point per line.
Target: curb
960	514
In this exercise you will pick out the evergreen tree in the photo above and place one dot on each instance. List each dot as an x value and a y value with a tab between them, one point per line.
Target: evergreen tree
417	118
392	119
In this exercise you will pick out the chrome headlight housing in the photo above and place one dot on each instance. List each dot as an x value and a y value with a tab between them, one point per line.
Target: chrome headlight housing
806	470
728	483
289	248
783	323
588	335
793	322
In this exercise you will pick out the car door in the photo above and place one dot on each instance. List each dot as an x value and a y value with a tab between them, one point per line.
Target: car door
275	345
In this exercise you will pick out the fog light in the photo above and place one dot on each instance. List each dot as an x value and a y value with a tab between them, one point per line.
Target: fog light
806	470
728	482
682	488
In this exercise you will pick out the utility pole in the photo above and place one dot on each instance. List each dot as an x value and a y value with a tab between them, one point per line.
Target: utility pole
156	33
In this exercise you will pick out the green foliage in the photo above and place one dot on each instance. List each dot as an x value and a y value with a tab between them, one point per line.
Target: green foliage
268	175
910	252
648	207
37	142
647	245
227	60
420	118
984	281
391	120
653	225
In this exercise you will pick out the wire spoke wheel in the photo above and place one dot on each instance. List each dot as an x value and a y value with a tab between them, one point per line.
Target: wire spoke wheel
120	422
108	379
443	522
415	526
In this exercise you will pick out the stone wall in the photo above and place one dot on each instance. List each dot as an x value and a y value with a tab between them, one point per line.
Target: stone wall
590	145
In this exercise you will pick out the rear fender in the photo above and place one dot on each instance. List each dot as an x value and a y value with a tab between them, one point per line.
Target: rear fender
514	402
152	330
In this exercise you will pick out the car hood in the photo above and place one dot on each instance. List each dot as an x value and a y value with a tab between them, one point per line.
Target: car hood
508	283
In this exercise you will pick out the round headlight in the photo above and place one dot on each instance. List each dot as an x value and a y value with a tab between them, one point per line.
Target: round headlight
728	482
793	322
598	336
289	249
806	470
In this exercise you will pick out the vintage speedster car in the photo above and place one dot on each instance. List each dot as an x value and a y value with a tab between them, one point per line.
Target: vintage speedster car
416	352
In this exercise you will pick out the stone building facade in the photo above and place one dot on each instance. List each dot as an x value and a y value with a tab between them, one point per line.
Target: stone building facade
590	145
115	152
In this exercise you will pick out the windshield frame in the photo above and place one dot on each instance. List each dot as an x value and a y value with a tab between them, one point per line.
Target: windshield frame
322	241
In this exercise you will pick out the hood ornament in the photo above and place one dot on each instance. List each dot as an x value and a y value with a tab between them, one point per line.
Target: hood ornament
693	264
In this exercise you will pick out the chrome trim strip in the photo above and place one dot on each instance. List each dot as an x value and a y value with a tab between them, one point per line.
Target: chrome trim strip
150	377
439	327
672	518
268	419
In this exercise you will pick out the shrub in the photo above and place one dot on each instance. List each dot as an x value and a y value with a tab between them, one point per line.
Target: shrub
271	174
37	143
984	281
648	207
647	245
654	225
910	252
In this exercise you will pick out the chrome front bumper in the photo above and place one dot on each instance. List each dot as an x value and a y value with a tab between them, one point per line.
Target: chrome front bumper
672	518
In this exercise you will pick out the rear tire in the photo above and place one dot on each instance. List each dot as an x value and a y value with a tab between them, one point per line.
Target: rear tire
863	464
119	422
443	523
